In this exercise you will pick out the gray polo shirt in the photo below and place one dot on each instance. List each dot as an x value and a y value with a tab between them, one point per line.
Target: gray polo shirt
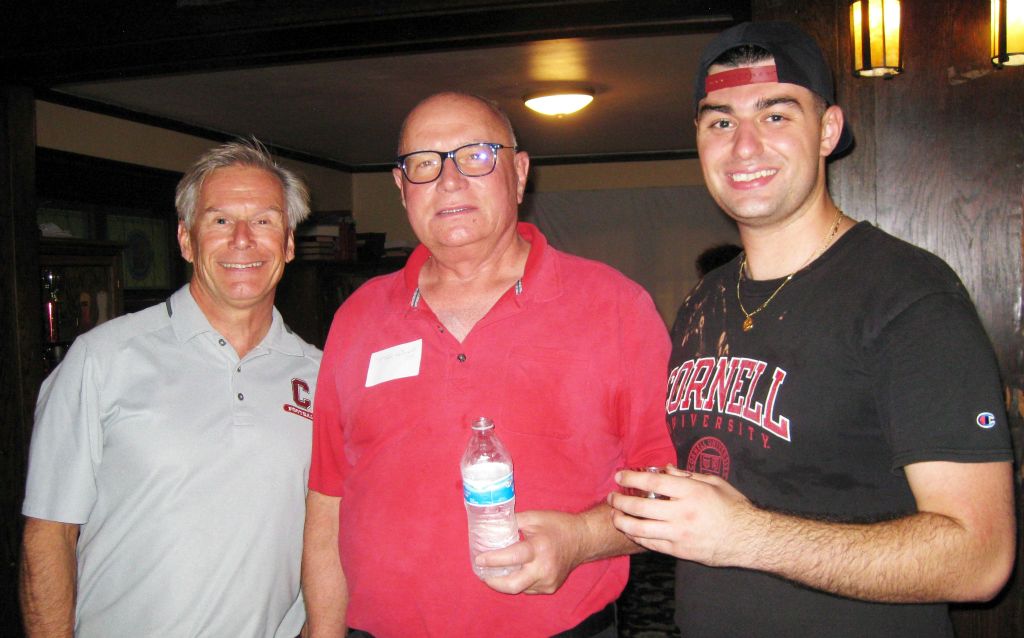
186	469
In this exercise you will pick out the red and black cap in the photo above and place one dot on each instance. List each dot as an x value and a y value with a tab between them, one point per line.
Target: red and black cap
798	60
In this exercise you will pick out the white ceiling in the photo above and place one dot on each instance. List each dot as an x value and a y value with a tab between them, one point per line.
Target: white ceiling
349	111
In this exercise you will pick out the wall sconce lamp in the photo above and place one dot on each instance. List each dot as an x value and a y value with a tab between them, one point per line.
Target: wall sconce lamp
1007	32
875	27
560	103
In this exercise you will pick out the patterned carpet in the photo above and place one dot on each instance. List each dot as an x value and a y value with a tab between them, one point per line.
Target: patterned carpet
647	604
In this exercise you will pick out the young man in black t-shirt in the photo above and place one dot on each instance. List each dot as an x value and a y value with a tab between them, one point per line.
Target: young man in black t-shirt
844	460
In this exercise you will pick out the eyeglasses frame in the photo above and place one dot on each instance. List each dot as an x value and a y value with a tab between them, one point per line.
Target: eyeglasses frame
495	147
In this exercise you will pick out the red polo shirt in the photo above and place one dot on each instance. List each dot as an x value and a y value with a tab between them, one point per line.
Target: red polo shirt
571	366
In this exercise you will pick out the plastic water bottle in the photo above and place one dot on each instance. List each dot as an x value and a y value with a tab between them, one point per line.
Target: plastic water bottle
490	496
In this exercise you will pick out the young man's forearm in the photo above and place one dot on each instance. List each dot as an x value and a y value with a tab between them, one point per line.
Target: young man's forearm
924	557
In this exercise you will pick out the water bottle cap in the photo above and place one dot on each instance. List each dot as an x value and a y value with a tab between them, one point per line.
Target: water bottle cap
483	423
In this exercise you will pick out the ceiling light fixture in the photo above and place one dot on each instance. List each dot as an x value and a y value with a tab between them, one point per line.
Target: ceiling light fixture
1008	32
875	28
559	104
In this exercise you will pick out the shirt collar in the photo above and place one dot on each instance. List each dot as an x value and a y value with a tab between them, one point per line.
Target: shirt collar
188	322
532	275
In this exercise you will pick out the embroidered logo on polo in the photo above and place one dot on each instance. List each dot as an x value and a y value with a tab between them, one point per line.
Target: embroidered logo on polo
301	399
727	386
986	420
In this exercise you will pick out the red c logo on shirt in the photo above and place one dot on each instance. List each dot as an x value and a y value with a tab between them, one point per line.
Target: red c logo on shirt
300	393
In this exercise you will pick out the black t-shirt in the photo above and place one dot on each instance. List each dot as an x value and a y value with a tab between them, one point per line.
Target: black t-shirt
869	359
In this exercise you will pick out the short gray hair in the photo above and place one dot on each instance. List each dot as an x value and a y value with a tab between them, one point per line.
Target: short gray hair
248	152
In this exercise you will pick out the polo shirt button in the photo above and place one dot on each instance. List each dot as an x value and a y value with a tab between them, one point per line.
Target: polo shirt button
222	342
238	369
461	357
241	397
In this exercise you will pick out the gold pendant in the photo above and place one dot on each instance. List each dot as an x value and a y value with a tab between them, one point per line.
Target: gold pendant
748	323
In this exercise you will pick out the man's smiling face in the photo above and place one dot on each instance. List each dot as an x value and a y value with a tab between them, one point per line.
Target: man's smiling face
240	241
761	148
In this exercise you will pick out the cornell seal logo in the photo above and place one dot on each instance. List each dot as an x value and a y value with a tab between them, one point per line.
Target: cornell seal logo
709	456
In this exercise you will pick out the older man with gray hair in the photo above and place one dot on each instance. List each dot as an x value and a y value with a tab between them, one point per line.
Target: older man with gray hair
168	464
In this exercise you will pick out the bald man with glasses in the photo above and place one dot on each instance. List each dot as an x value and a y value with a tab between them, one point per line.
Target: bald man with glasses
566	355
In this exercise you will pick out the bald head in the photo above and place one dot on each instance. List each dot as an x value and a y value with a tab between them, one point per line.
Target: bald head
465	105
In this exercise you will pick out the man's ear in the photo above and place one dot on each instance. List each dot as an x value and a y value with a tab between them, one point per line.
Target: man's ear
289	250
522	163
831	128
185	242
399	182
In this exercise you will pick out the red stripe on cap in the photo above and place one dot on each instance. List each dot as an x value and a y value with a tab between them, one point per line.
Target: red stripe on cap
741	76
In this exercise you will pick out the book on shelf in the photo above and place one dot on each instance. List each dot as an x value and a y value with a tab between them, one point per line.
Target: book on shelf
326	251
316	241
318	230
326	235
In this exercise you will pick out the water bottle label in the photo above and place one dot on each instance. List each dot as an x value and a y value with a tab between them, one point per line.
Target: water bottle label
495	492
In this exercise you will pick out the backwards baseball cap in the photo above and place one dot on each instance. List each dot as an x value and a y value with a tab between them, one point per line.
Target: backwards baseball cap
798	60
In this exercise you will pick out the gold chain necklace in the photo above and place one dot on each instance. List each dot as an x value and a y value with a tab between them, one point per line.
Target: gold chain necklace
748	321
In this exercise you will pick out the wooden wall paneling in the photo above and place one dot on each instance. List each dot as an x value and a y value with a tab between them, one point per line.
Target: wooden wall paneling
20	331
946	172
852	177
913	164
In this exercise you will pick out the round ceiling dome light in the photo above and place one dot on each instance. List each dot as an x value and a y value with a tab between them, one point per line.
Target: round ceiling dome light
559	104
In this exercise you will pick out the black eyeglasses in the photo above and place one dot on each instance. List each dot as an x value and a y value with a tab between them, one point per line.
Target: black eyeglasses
472	160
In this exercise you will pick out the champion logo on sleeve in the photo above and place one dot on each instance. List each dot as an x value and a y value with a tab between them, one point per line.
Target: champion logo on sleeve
986	420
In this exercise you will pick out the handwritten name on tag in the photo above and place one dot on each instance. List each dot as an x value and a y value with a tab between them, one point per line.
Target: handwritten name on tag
396	362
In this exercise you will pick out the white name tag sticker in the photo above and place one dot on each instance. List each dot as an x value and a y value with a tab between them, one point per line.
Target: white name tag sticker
396	362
